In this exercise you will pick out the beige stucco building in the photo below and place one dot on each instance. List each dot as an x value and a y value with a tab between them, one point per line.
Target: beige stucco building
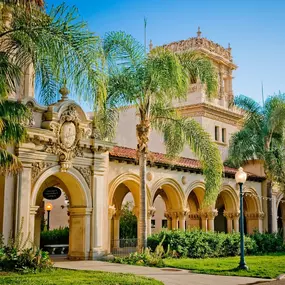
96	175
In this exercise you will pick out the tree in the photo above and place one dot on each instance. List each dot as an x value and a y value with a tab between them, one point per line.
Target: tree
151	82
62	51
261	137
128	222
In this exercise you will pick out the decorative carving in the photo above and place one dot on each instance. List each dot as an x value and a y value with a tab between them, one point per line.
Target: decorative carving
194	216
254	216
111	211
39	167
151	211
184	180
68	133
184	212
149	176
202	44
85	172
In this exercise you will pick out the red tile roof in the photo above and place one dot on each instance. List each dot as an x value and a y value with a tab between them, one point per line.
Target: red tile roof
156	157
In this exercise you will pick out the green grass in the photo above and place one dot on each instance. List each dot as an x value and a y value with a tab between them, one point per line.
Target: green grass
68	277
266	266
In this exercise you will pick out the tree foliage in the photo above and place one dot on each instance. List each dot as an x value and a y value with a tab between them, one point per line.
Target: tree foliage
58	44
128	222
61	49
152	82
262	136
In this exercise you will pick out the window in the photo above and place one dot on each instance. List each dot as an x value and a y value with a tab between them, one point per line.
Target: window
223	135
217	133
152	224
164	223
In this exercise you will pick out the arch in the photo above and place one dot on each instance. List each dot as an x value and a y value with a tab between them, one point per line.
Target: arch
71	177
229	197
251	201
75	186
130	180
172	193
198	189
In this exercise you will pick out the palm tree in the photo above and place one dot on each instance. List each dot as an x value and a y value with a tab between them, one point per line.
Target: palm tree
262	137
151	82
58	44
62	51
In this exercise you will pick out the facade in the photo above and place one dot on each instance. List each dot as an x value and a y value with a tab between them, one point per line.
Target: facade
96	175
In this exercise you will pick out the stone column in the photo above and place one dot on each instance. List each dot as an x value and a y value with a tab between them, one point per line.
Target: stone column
182	218
150	214
33	213
111	213
204	220
236	222
274	210
8	206
229	216
169	221
99	219
174	216
79	234
24	185
116	242
211	217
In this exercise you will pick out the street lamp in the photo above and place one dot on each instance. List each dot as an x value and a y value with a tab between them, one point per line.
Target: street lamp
48	209
240	179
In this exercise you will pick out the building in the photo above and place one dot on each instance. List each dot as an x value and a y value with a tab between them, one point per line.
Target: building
97	175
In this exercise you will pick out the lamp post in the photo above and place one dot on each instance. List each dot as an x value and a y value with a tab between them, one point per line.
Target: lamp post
240	180
48	209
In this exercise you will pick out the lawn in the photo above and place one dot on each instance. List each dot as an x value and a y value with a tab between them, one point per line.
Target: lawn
68	277
267	266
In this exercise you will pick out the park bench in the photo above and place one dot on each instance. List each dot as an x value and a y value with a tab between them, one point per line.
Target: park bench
51	248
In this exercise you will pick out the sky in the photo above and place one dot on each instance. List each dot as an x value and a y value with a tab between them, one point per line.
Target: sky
254	28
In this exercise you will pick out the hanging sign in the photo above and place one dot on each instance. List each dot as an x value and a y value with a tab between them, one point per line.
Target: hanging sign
52	193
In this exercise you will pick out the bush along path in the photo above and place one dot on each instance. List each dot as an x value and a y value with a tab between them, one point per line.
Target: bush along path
212	253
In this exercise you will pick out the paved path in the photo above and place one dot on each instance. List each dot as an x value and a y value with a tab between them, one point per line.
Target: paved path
169	276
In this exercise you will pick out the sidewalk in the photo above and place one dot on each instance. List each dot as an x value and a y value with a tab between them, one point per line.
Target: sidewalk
169	276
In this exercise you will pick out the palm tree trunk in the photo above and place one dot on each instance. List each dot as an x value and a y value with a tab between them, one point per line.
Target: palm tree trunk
142	242
269	207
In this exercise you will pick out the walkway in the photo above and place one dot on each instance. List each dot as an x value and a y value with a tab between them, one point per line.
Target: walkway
169	276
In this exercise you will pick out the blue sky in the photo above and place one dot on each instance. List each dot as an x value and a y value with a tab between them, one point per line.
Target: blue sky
255	29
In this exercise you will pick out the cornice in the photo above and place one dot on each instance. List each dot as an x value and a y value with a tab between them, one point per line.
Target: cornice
213	112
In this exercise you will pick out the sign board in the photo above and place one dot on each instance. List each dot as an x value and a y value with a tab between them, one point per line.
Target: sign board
52	193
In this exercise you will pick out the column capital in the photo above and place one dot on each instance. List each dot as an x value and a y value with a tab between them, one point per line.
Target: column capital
79	211
111	211
34	210
212	214
171	214
184	213
151	211
229	215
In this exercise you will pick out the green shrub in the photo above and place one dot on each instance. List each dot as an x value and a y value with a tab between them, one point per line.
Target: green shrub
16	256
146	258
268	243
56	236
200	244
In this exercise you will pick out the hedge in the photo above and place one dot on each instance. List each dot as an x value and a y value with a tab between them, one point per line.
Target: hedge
199	244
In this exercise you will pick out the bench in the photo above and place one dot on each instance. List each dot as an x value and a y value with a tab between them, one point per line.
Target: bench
51	248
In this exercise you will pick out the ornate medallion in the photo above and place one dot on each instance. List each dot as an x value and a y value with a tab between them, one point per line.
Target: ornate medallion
68	134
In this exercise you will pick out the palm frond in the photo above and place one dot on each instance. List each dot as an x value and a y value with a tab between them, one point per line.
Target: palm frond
178	132
199	67
9	163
